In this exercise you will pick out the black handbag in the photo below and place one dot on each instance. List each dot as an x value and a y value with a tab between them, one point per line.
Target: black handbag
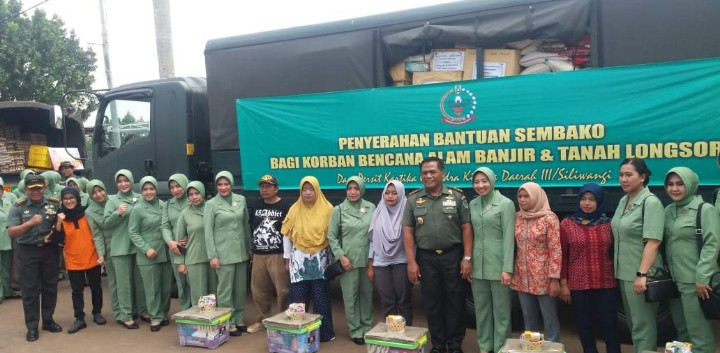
660	286
335	269
711	305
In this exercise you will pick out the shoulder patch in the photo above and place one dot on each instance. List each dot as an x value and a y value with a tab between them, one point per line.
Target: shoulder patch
459	191
414	192
21	201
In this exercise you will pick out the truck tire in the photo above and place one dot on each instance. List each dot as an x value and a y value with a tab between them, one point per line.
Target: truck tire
665	326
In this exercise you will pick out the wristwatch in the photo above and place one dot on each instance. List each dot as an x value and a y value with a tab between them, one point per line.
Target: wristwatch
641	274
467	258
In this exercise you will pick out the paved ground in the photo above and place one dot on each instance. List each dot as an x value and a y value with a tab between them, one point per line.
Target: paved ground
114	338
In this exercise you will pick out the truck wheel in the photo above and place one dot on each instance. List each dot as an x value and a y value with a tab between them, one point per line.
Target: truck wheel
665	326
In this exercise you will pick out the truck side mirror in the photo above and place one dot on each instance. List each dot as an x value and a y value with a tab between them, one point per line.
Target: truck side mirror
57	116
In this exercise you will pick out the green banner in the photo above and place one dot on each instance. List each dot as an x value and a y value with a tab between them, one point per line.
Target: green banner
556	129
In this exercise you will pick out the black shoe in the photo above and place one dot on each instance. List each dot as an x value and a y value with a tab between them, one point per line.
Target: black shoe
119	322
236	333
145	319
241	328
77	326
165	322
437	350
99	319
322	340
133	326
359	341
51	326
32	335
155	328
457	350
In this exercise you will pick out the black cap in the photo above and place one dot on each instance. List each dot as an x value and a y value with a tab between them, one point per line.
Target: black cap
33	181
268	179
65	164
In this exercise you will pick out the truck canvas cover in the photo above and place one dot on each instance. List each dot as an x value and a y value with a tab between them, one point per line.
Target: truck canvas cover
356	53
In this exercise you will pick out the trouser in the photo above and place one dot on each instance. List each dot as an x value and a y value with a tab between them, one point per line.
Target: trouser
357	291
232	289
318	292
131	296
600	304
77	283
38	279
540	311
61	260
112	286
443	295
5	269
157	281
690	320
493	306
202	280
269	283
182	284
15	273
641	317
395	290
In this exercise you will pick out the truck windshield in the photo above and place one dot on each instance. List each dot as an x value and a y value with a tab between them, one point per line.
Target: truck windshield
123	122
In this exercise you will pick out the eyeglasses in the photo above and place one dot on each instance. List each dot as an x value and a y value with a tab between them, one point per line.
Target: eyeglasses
69	200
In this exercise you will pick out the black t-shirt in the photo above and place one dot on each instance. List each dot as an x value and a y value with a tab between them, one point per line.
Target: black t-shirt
266	222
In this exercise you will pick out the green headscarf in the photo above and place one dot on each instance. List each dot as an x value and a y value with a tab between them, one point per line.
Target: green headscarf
182	180
361	186
227	175
492	177
52	177
128	174
197	186
25	173
91	185
691	181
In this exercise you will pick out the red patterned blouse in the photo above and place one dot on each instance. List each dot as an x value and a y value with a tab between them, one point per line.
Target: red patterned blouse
539	254
587	262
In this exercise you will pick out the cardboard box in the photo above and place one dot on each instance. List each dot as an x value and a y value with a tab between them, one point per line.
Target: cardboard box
501	62
424	78
399	74
208	329
286	335
514	345
413	340
464	60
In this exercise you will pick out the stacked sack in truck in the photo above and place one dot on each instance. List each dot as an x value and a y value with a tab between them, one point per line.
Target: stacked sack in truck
549	55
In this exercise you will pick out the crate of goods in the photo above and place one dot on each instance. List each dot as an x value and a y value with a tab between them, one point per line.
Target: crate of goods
501	62
515	345
38	157
208	329
463	60
381	340
293	335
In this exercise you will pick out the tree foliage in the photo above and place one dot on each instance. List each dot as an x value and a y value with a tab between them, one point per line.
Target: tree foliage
40	60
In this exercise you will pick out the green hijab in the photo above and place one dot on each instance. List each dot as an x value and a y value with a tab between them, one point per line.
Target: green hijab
492	177
128	174
691	181
90	186
227	175
182	180
197	186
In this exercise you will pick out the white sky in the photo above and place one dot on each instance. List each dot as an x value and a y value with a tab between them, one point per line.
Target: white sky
131	28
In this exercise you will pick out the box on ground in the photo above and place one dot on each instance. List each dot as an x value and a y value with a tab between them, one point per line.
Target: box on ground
514	345
293	336
208	329
501	62
424	78
379	340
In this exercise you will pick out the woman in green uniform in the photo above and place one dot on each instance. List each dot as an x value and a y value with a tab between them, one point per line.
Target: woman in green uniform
638	230
190	229
691	270
152	255
493	220
227	237
19	192
7	200
347	233
53	188
171	212
131	297
94	213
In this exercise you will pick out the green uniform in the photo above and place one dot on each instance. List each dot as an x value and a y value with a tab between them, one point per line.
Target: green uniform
95	213
228	238
686	265
6	253
131	295
145	233
349	223
19	192
171	212
493	221
201	278
630	227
